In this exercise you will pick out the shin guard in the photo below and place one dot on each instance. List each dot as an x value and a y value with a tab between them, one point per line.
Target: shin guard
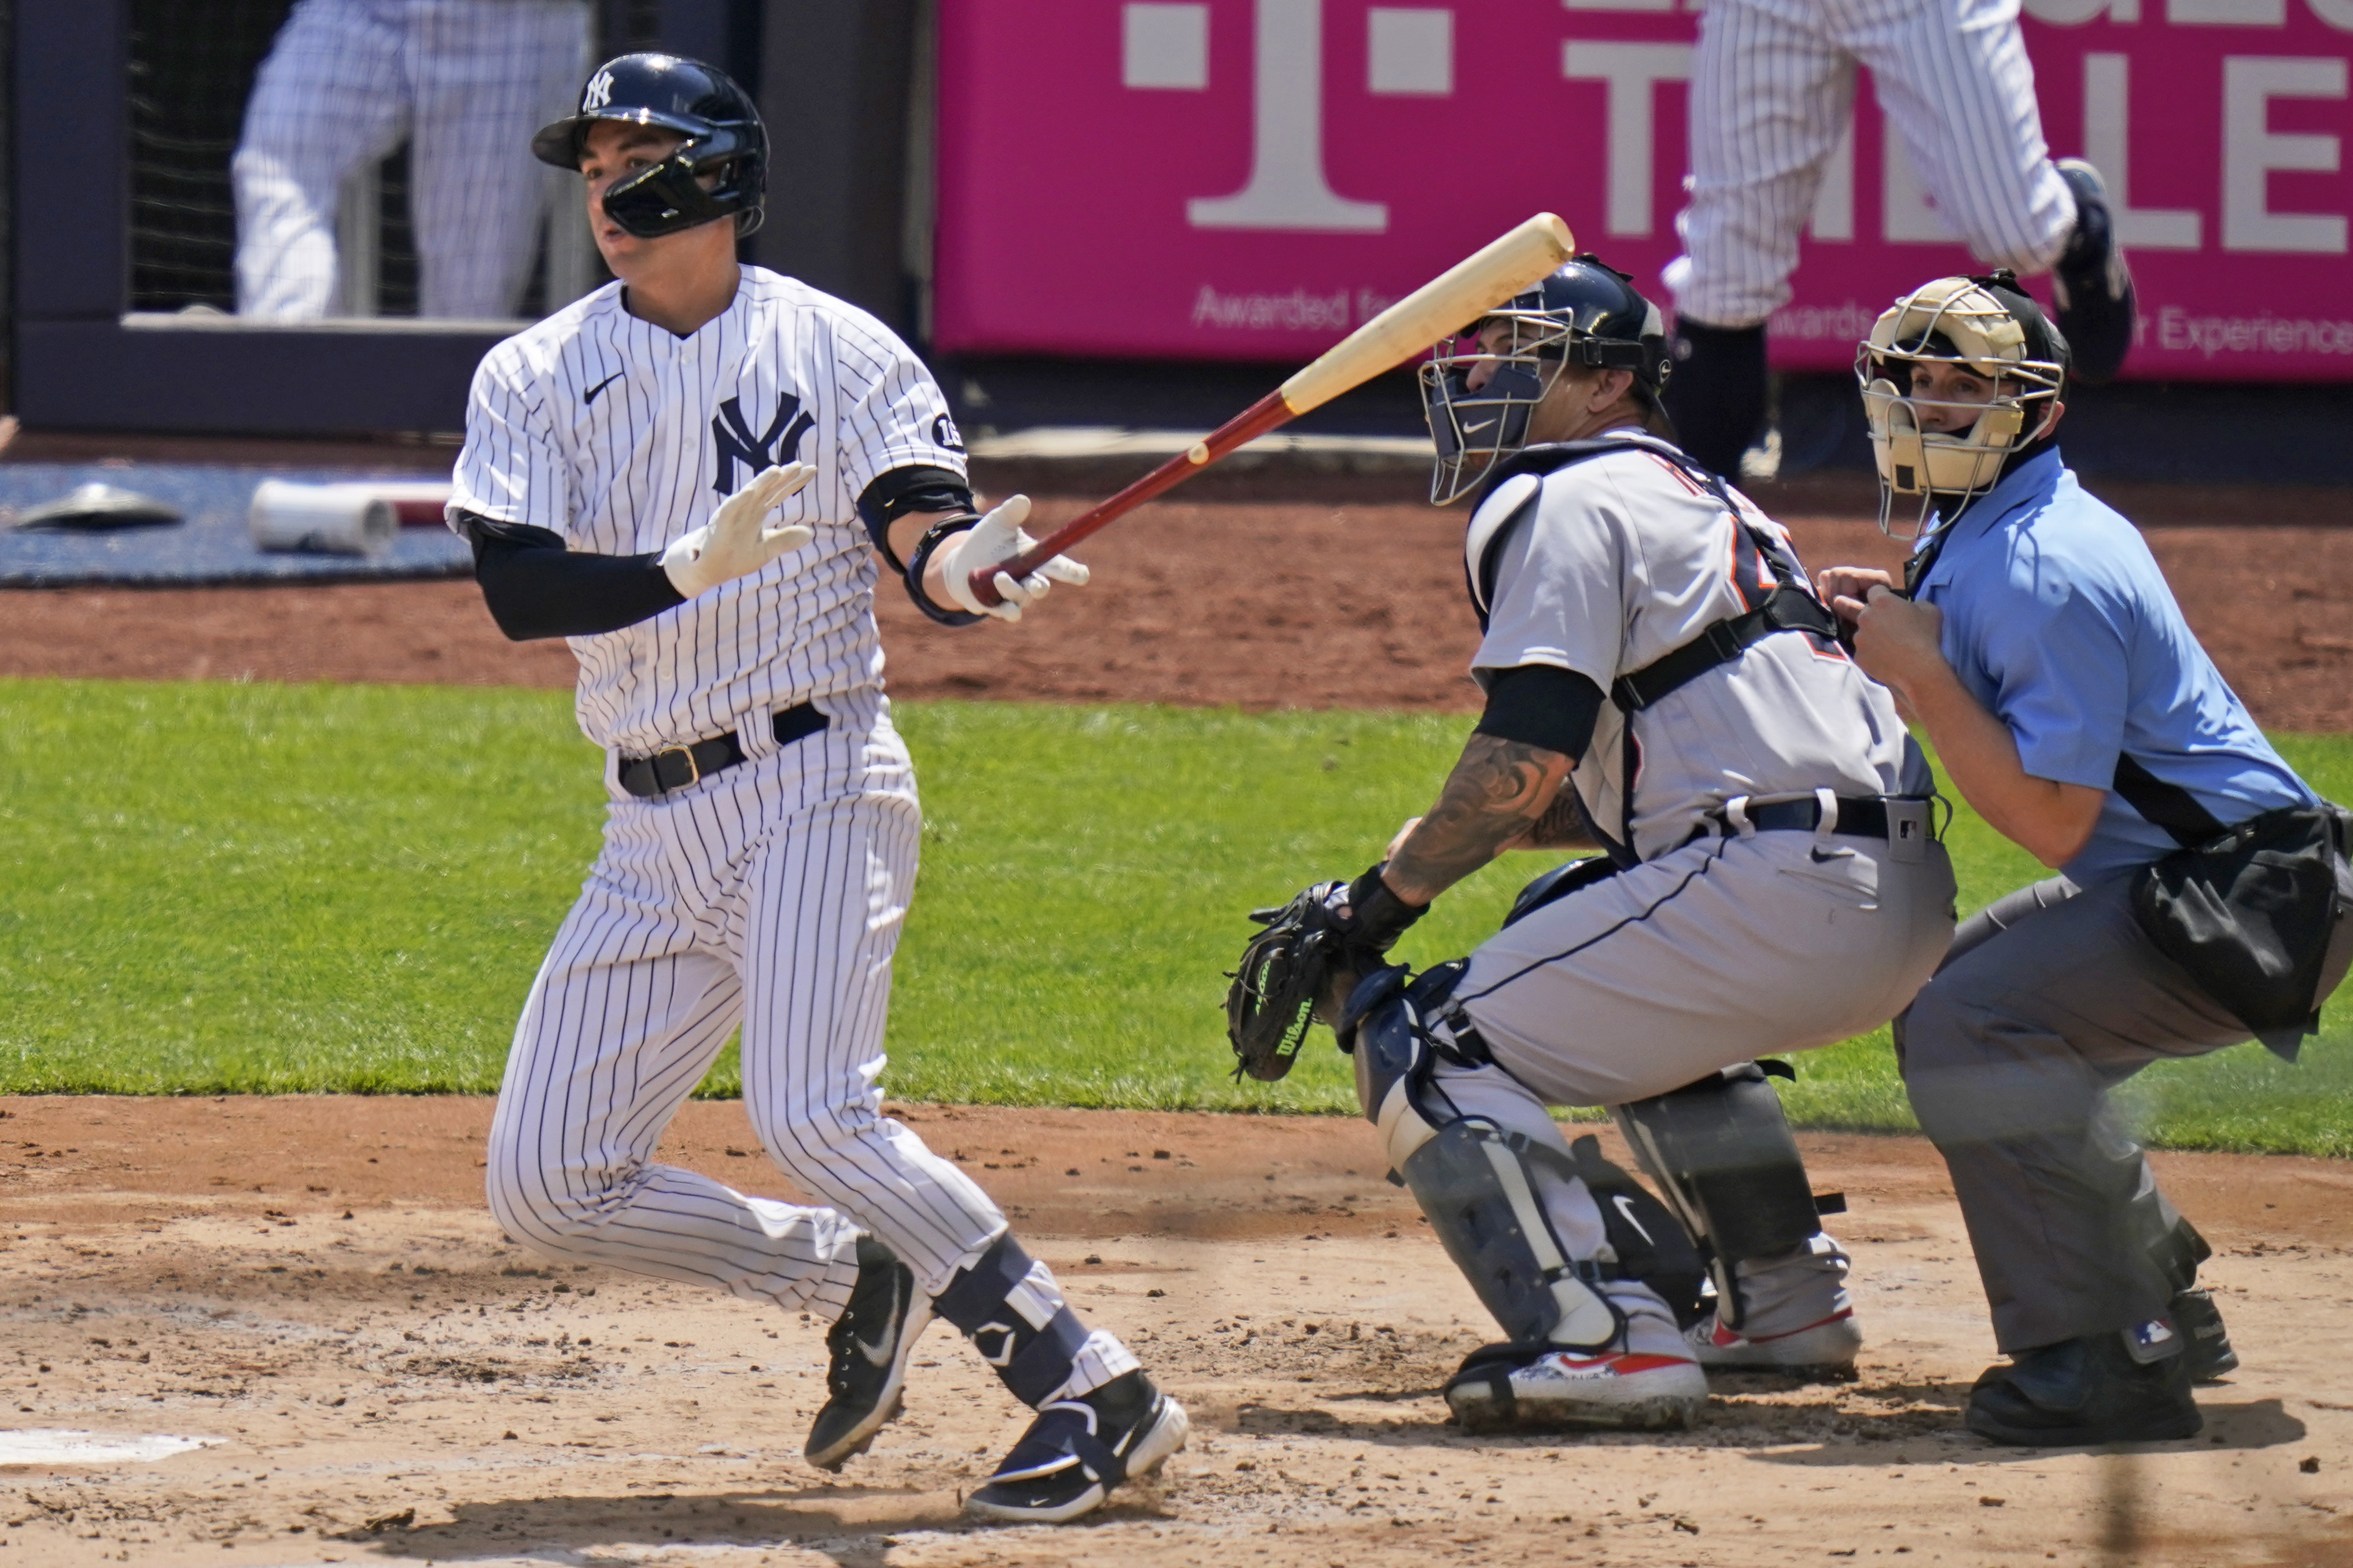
1475	1181
1721	1150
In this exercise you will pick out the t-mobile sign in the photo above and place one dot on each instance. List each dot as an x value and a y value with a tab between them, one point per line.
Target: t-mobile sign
1250	179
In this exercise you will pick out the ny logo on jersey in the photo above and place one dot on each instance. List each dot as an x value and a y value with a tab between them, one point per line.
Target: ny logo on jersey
780	443
599	92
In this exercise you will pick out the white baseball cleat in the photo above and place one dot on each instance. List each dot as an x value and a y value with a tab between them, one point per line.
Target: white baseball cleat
1505	1385
1827	1347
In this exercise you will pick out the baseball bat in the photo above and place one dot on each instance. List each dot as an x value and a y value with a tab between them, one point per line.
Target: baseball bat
1446	304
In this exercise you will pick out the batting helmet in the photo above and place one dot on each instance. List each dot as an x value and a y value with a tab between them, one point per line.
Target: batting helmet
1586	313
725	140
1989	328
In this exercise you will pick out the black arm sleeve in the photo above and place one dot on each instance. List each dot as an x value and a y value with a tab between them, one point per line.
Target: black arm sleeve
537	588
1542	705
918	488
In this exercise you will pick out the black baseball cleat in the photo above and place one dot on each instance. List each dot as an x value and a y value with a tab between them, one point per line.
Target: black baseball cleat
867	1348
2082	1392
1078	1449
2199	1322
2090	283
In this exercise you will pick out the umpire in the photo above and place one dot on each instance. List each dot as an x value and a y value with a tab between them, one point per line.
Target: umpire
2203	892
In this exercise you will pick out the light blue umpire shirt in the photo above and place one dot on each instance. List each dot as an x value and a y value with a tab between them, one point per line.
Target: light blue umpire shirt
2058	620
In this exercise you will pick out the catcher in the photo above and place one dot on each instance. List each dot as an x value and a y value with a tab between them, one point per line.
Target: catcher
1661	684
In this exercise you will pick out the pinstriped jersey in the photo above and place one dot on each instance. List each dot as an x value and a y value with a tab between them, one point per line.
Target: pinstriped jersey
619	436
1625	559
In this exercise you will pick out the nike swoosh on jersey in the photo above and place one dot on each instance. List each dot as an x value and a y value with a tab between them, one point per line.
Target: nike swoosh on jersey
590	396
1626	1207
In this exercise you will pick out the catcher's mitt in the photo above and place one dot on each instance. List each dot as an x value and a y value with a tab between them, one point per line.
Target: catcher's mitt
1286	971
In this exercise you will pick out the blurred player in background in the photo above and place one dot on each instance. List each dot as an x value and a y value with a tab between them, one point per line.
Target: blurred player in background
1773	90
625	463
2037	644
466	81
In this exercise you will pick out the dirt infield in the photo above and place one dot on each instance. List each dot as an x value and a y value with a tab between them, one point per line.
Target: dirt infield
313	1289
1265	605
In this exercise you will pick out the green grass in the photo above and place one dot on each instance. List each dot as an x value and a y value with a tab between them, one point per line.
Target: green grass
218	888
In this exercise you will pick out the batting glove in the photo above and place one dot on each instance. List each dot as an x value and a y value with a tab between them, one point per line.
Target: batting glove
999	537
736	542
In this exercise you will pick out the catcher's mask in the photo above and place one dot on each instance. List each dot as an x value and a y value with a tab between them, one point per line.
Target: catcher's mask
1586	313
1989	328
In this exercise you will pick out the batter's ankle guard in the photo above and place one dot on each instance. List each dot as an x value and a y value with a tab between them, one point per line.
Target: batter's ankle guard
1721	1150
1009	1307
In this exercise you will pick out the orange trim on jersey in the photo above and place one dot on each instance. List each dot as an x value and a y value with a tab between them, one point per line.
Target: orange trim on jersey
1681	478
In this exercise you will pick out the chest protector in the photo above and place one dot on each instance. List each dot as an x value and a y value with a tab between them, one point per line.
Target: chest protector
1787	604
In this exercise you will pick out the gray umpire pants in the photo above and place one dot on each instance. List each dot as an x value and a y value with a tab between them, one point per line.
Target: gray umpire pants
2050	997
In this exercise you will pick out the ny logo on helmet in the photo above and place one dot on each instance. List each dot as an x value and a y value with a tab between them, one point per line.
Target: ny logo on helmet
731	435
599	92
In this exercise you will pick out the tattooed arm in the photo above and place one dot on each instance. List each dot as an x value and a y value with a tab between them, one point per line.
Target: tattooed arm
1502	794
1562	826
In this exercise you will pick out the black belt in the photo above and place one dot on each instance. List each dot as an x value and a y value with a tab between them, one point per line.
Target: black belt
1865	816
680	766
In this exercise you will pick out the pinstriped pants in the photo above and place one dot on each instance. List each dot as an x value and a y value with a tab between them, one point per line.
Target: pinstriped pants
1772	91
772	894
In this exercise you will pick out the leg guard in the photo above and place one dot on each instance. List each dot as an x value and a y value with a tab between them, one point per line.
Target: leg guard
1721	1150
1009	1307
1476	1182
1652	1244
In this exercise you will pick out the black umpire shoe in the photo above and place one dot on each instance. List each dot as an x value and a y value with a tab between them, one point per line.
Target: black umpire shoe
2082	1392
2200	1322
2090	283
1078	1449
867	1348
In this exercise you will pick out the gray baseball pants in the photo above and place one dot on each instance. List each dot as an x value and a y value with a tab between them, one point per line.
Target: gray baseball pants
2049	997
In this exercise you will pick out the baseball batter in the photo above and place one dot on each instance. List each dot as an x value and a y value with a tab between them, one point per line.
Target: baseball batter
1773	90
691	475
465	82
1660	682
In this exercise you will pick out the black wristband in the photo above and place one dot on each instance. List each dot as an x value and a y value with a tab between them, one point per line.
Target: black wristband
1378	916
939	533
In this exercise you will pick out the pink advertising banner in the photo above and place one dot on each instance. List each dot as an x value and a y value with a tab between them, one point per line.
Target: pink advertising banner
1250	179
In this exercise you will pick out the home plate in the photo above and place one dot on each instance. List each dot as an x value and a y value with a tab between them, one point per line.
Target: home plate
51	1446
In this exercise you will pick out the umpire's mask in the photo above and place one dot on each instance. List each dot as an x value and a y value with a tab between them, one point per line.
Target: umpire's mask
1988	328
